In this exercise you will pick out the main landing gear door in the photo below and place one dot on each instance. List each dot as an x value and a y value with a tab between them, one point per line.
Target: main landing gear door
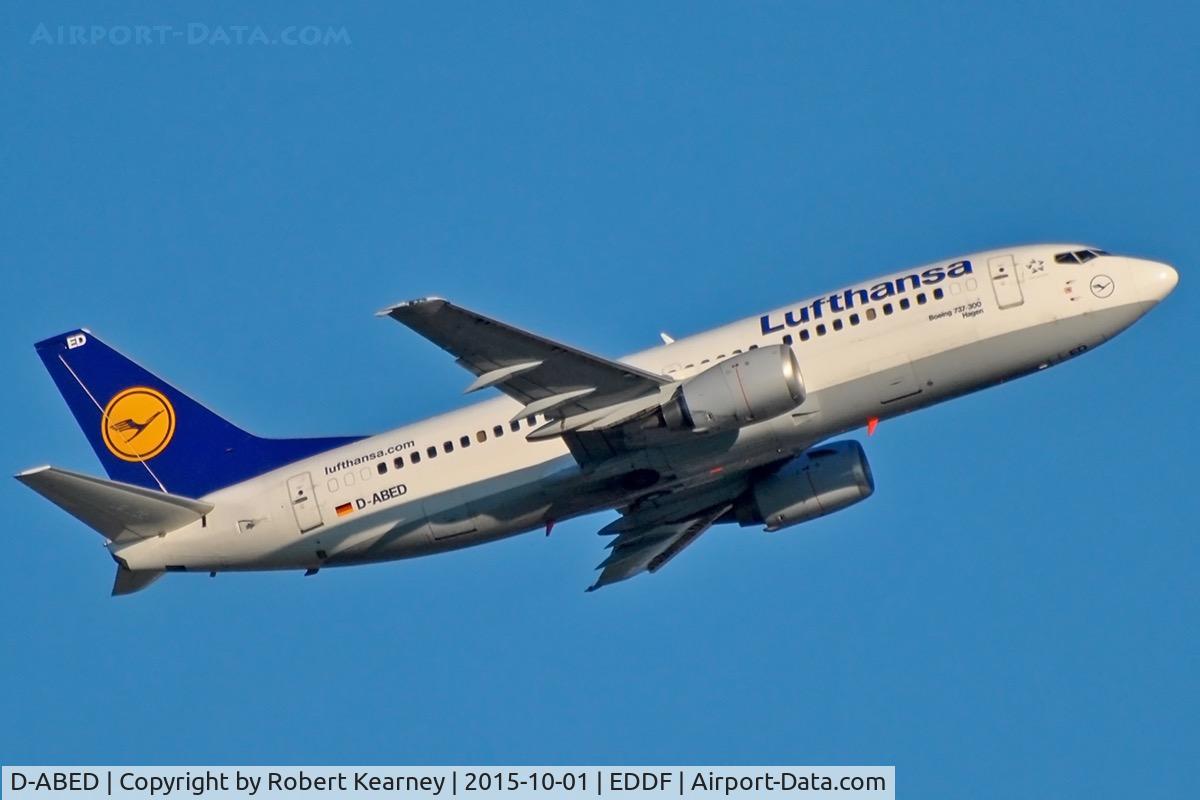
1003	271
304	504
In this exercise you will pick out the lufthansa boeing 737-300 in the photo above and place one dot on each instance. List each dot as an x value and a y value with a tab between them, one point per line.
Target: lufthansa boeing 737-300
730	425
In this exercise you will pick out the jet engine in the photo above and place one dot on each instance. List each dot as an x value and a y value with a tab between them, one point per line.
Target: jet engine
749	387
823	480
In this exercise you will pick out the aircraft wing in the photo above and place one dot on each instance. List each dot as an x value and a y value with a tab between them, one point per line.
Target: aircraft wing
647	548
545	376
656	529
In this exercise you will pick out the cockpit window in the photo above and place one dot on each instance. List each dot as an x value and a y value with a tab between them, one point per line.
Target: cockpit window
1078	256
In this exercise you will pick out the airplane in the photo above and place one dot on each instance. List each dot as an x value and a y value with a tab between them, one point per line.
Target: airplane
733	425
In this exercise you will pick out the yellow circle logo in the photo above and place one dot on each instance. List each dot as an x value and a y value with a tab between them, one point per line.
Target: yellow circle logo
138	424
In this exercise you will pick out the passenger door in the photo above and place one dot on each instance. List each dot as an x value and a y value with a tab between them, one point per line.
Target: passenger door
1003	272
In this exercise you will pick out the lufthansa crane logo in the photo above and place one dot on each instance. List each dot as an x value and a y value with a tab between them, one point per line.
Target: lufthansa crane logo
1102	286
138	424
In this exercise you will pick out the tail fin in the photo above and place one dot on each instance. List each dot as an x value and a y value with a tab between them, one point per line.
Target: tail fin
148	433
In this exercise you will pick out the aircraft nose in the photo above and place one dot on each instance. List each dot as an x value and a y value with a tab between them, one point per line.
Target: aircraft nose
1160	280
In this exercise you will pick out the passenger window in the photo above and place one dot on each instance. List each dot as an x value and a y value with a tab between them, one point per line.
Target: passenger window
887	308
787	339
904	304
381	468
804	335
737	352
415	458
448	447
938	294
497	431
821	330
531	420
705	361
837	324
854	319
481	436
515	425
398	462
753	347
431	451
921	299
870	314
464	441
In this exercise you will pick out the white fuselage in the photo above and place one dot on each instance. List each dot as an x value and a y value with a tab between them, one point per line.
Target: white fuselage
1009	312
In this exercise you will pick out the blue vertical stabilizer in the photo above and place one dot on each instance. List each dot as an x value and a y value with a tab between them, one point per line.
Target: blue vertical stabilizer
148	433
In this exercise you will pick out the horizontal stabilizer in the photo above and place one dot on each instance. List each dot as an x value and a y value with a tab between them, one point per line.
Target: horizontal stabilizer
119	511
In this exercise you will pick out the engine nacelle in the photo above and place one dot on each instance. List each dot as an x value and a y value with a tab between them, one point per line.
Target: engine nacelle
823	480
749	387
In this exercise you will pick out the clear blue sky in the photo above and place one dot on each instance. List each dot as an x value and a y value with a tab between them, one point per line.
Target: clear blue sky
1014	612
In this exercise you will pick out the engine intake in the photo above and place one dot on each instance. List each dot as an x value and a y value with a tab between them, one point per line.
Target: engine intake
819	482
749	387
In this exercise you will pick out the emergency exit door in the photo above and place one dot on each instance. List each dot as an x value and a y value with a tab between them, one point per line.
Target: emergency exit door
1003	271
304	504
